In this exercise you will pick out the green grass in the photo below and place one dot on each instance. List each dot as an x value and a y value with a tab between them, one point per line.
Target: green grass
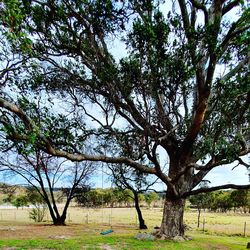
127	241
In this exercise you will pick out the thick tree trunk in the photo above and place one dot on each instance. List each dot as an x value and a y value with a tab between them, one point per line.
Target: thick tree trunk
142	224
172	222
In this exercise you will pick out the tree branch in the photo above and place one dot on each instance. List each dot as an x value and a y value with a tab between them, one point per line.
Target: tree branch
230	6
235	69
202	7
17	111
207	190
61	153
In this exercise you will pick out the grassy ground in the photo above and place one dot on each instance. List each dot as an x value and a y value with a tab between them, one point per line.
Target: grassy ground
222	231
79	237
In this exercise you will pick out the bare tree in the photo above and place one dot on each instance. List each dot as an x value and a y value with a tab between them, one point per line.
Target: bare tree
138	183
46	174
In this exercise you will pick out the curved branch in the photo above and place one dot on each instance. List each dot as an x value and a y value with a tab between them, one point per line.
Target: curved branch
202	7
46	146
17	111
207	190
230	6
102	158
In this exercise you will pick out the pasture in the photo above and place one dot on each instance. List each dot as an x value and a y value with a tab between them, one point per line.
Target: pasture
221	231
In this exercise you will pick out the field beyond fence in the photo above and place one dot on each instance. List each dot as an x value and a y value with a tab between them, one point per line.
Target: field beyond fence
218	223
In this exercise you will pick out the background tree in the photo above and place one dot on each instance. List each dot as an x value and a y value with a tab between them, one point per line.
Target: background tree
222	201
19	201
151	197
8	191
126	178
240	199
201	201
182	91
43	173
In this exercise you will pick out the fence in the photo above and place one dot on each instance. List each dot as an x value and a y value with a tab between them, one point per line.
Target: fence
230	224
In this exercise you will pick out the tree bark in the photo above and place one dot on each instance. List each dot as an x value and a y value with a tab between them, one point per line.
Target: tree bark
172	222
59	221
142	224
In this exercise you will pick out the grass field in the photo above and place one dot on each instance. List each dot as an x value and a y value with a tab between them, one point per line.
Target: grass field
222	231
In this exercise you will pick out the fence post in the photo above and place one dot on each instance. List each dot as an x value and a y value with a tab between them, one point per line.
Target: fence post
203	225
87	219
245	228
110	220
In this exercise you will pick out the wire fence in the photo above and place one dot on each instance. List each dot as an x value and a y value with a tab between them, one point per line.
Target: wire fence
229	224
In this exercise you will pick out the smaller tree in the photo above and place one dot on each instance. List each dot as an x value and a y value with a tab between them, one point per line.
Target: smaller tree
222	201
126	178
200	201
43	173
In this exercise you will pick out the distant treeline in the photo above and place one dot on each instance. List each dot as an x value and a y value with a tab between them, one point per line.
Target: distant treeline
217	201
222	201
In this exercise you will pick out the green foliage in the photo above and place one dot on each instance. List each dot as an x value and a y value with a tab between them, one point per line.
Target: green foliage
104	197
241	199
151	197
222	201
161	67
38	213
19	201
39	209
13	15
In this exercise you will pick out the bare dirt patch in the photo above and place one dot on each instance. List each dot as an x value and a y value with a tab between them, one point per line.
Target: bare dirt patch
41	231
49	231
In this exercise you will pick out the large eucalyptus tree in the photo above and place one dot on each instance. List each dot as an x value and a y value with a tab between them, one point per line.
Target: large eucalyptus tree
180	95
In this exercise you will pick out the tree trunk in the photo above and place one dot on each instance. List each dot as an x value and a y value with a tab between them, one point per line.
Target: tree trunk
142	224
172	222
59	221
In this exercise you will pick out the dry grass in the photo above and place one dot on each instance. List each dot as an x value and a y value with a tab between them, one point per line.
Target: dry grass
84	227
220	223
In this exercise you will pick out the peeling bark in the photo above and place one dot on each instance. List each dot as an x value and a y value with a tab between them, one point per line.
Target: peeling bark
172	222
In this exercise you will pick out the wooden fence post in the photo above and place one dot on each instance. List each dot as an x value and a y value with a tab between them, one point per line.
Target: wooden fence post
203	225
